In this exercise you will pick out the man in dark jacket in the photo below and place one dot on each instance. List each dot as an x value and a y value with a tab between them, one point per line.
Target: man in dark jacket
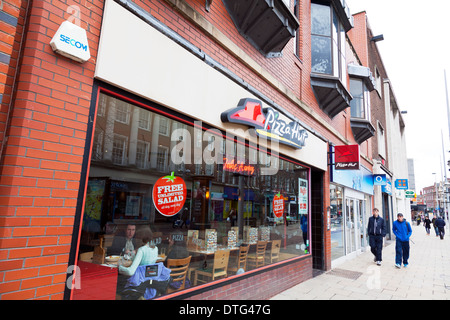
376	230
440	224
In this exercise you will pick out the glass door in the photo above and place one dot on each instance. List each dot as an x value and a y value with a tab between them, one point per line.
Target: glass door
359	223
350	226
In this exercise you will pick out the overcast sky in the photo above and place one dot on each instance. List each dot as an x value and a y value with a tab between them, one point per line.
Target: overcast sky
415	52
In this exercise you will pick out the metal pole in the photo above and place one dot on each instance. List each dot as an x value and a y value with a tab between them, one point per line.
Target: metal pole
446	95
446	216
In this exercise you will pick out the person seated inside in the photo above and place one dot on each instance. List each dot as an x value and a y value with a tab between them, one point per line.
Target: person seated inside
177	250
177	247
145	255
124	244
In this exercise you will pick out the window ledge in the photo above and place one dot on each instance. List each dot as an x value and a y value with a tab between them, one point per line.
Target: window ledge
267	24
362	129
331	94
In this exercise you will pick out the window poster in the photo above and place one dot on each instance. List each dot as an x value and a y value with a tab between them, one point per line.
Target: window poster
93	205
302	196
133	205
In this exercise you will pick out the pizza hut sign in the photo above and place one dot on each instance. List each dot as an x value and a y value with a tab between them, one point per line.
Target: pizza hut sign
346	157
267	123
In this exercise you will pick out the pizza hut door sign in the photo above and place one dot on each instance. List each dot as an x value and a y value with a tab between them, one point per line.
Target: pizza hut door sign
169	195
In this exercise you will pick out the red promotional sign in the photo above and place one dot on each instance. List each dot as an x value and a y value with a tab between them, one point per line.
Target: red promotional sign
169	195
346	157
278	205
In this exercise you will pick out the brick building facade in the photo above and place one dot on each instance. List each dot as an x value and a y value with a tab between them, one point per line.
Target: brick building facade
178	62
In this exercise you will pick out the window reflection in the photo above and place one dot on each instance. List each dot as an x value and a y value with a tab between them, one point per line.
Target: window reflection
327	42
227	216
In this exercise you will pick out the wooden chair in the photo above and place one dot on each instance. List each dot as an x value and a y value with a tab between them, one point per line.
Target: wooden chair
218	269
256	260
273	255
86	256
179	268
99	253
240	262
108	240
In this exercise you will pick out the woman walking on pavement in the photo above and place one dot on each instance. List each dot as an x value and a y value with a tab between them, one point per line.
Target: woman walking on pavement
427	224
402	230
434	225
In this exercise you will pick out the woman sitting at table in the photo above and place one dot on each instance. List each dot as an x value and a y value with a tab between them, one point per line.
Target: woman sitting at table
147	254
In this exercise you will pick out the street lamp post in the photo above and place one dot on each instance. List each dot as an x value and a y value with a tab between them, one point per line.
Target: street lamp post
436	194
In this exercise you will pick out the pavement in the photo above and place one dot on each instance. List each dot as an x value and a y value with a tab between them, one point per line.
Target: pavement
426	278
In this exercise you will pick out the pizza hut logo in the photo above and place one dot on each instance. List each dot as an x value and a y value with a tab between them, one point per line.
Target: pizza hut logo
267	123
346	157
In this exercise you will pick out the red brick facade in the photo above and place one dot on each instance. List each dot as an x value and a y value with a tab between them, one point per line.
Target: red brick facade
43	153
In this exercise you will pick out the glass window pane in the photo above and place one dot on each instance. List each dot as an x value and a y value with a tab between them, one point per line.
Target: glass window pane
357	103
130	159
337	222
321	55
321	20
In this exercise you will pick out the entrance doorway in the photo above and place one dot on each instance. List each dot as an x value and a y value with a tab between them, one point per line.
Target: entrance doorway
354	217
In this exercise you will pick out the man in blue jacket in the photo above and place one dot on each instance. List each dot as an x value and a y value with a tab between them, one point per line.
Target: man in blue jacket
402	230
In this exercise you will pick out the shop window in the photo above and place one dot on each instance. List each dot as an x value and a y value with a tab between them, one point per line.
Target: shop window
228	204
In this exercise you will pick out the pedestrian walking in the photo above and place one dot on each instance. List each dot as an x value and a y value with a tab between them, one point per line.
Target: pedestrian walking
436	230
402	230
440	223
376	229
427	225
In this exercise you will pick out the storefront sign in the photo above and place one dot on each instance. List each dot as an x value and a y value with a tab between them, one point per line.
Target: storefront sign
379	180
71	41
401	184
346	157
388	187
267	123
410	194
169	195
278	205
238	167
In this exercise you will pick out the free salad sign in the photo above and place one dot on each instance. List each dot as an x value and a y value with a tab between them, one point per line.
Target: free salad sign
169	195
278	205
